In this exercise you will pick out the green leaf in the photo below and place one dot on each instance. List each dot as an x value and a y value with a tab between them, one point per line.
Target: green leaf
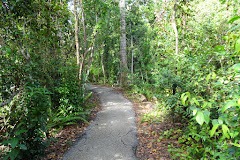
13	154
235	144
14	142
6	157
188	94
200	117
205	104
214	75
4	142
194	112
213	130
197	103
207	116
220	120
88	96
22	146
229	104
237	45
225	131
235	67
234	134
8	50
183	99
208	77
20	132
234	19
214	121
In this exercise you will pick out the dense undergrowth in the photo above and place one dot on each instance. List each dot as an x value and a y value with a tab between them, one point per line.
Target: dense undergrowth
201	90
37	109
40	88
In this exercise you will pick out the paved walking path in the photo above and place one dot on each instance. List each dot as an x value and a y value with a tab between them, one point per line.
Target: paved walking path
112	136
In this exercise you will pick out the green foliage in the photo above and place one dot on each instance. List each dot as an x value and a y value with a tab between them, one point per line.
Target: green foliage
27	124
200	86
215	117
39	85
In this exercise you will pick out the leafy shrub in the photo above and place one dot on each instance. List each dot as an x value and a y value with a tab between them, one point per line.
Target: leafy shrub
28	120
212	100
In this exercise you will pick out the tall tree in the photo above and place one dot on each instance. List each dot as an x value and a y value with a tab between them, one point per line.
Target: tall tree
76	33
123	65
175	28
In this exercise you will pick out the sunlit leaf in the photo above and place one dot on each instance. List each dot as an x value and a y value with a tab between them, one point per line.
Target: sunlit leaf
213	130
234	134
237	45
214	75
208	77
220	120
234	19
204	105
194	112
197	103
235	144
188	94
228	105
200	117
225	131
206	116
183	99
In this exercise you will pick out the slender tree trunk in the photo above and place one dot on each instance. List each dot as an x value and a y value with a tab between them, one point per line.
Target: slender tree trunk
132	54
89	64
76	34
23	44
124	67
83	23
98	64
91	55
175	28
183	23
82	64
104	75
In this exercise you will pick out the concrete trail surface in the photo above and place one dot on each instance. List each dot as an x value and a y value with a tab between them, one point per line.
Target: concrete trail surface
113	134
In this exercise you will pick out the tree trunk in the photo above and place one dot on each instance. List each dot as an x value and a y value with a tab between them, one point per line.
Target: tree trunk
124	67
132	54
76	34
99	61
104	75
175	27
83	23
91	56
89	64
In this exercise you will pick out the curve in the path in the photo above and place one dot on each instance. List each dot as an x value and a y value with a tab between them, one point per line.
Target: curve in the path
113	134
